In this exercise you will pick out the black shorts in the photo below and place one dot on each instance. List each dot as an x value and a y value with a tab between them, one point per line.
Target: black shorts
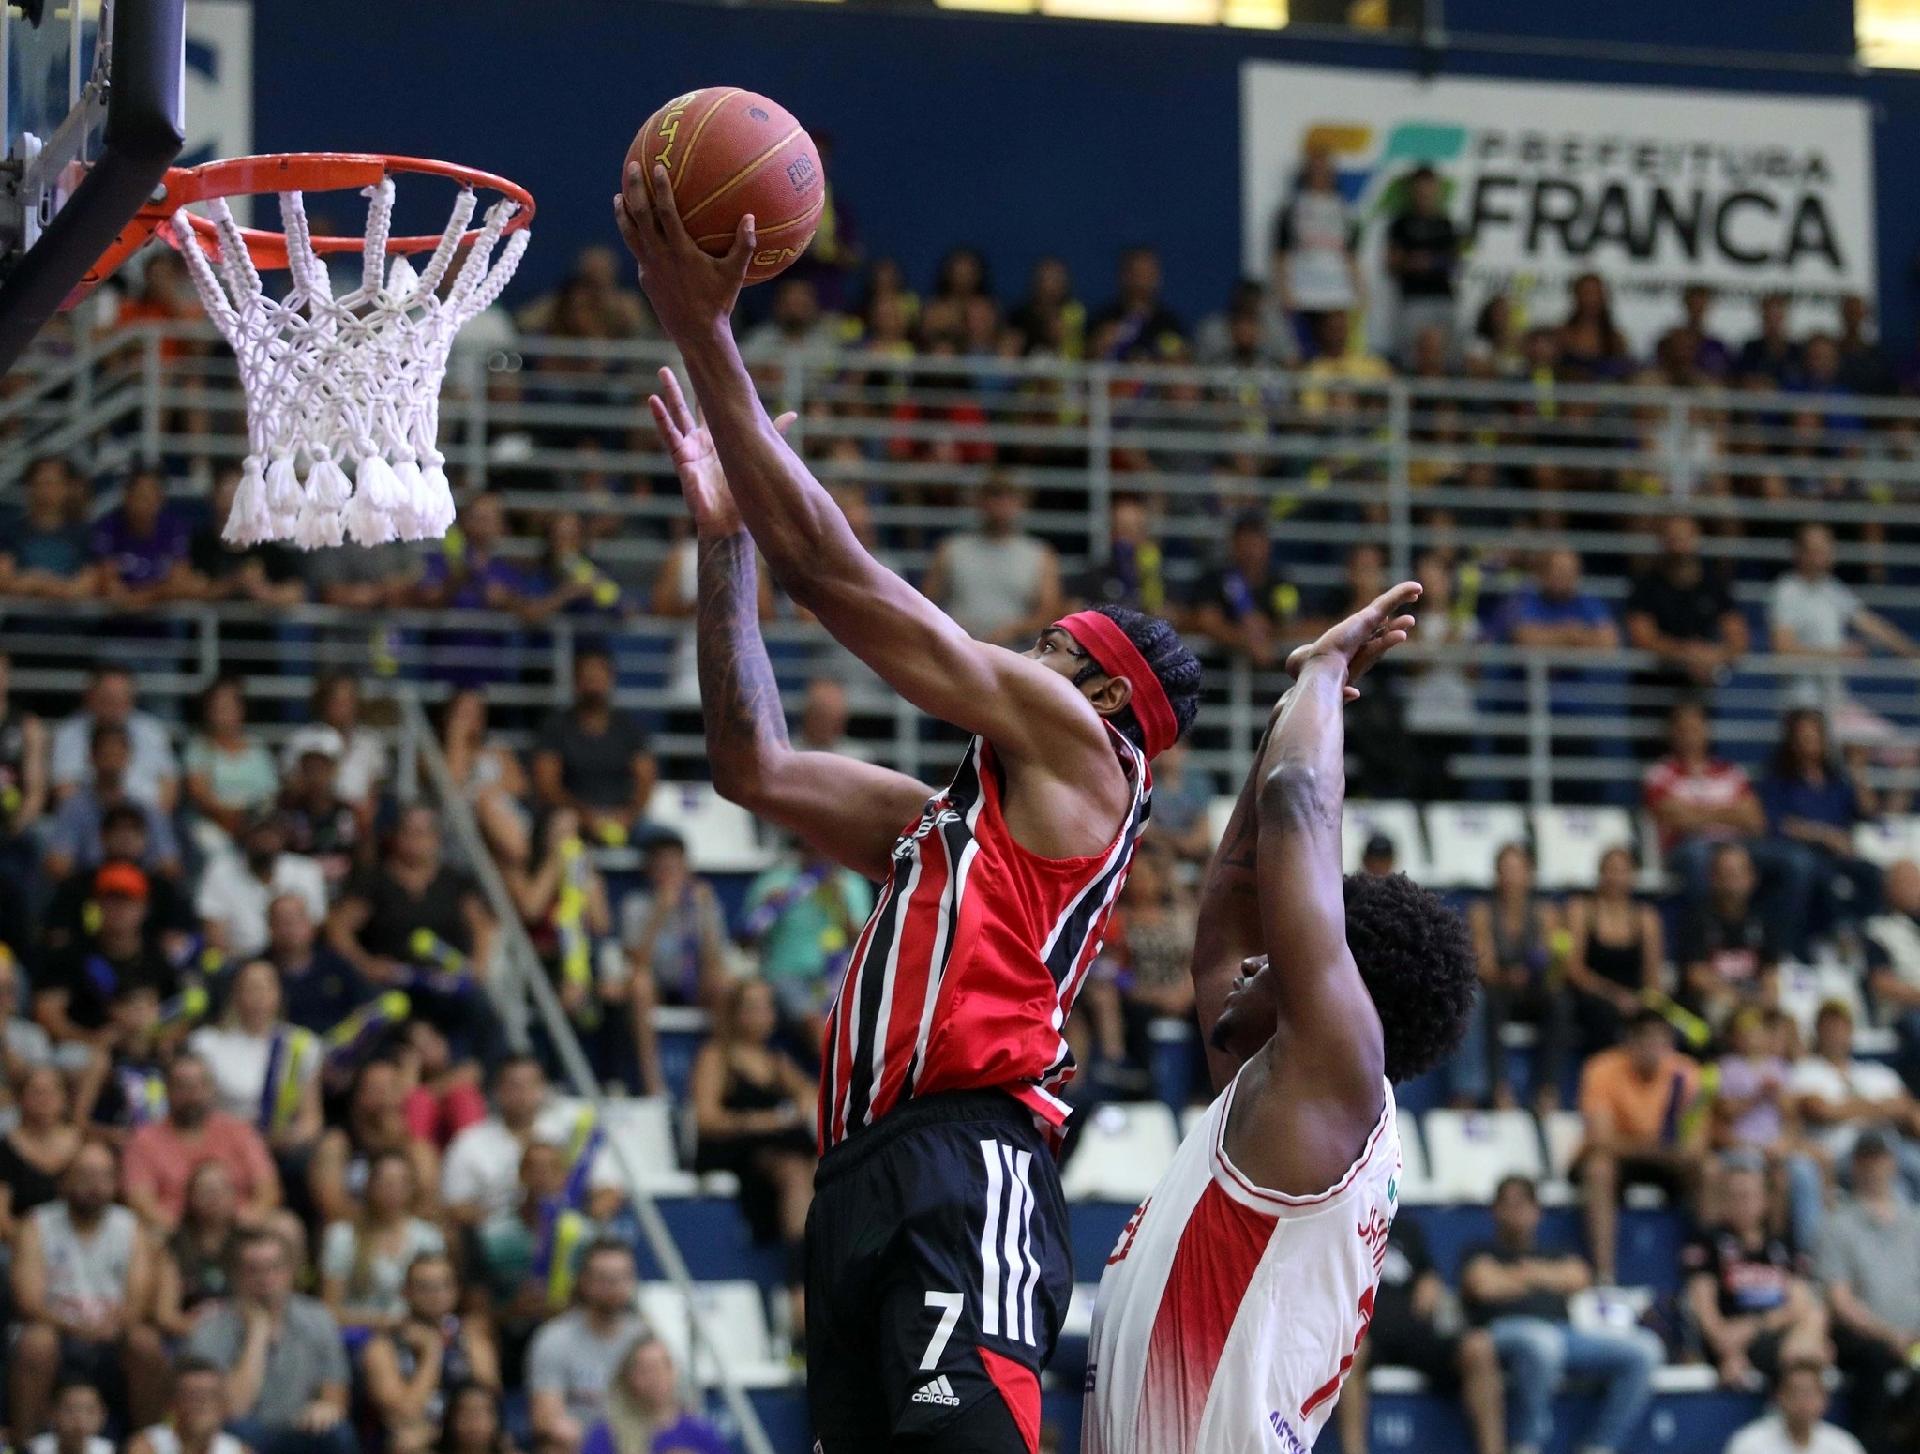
938	1272
1415	1343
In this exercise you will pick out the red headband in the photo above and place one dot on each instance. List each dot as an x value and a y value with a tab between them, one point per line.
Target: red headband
1117	656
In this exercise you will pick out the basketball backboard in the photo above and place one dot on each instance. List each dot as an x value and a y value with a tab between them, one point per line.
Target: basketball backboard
93	97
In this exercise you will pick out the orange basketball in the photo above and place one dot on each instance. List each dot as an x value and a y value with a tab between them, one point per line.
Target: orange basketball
729	152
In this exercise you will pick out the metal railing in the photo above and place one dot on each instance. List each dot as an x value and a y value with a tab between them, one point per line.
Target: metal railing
1485	469
520	979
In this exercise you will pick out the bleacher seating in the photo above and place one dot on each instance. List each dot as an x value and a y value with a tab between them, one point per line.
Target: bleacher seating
1466	839
1121	1152
1469	1151
1569	843
1398	822
735	1317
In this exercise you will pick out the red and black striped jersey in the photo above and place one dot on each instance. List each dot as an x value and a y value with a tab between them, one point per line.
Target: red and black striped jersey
965	973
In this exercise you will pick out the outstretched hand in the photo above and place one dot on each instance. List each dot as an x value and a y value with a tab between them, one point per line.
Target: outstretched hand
703	484
1364	637
690	288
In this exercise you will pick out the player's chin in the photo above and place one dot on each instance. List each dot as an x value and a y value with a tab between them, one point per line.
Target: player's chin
1220	1037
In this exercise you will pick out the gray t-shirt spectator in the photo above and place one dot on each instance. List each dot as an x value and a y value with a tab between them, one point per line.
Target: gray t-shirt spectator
567	1357
596	767
1879	1261
360	565
152	760
1818	613
303	1360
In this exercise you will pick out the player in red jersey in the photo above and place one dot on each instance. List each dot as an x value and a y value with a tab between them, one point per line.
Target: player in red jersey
1229	1314
937	1253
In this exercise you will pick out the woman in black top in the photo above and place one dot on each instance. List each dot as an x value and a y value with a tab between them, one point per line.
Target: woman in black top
193	1271
753	1115
413	1369
1617	954
35	1153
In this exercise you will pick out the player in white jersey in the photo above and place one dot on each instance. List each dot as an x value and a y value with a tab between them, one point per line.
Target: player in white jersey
1231	1306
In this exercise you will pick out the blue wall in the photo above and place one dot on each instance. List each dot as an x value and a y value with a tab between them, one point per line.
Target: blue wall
1022	136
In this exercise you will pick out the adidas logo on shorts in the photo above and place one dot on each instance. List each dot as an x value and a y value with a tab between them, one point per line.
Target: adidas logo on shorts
937	1392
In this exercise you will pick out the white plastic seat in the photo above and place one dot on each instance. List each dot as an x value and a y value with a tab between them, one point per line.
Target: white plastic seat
1464	840
733	1318
1416	1182
1399	822
1469	1151
1219	813
642	1127
1887	840
1078	1322
1565	1134
721	837
1570	842
1122	1152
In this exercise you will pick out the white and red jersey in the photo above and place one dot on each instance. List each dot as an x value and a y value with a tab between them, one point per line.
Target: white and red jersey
1714	784
1228	1314
976	948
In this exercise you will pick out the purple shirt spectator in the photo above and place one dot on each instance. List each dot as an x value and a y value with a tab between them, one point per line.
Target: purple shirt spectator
688	1434
140	557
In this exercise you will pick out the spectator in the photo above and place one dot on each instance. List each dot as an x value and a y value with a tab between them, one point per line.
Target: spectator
562	899
79	1414
1423	254
73	1001
1591	346
1636	1104
593	757
1754	1312
1050	319
480	1177
1149	944
285	1371
418	924
364	578
237	887
36	1152
1840	1098
753	1116
572	1360
141	546
1797	1422
568	582
1811	614
1334	365
1698	801
1616	953
1134	572
1682	612
1864	365
152	775
162	1154
1812	807
1515	932
375	1122
141	1031
1000	583
1182	802
529	1256
1247	605
123	837
82	1279
673	931
1379	856
1406	1332
1753	1113
193	1422
196	1260
363	1263
320	988
363	758
43	550
1552	611
1440	709
1315	269
414	1368
266	1072
824	720
645	1414
229	774
803	917
468	574
1249	333
25	765
1727	955
1711	358
318	822
1771	358
75	837
473	1424
267	574
1893	963
1137	324
796	329
1870	1264
1519	1294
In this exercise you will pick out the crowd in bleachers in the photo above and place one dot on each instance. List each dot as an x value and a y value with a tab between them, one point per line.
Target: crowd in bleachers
249	1045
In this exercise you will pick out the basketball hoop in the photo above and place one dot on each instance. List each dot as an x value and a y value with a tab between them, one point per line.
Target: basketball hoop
349	386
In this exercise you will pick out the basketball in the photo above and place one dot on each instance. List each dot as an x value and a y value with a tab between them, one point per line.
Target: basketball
729	152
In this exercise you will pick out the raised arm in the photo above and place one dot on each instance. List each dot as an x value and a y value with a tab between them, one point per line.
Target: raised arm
1029	712
852	811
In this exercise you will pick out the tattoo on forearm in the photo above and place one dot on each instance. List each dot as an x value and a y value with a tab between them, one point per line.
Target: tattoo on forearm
739	699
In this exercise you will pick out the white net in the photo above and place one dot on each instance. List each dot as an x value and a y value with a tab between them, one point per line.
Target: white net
343	393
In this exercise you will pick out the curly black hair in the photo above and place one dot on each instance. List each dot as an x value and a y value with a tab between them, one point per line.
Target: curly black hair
1418	964
1172	662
